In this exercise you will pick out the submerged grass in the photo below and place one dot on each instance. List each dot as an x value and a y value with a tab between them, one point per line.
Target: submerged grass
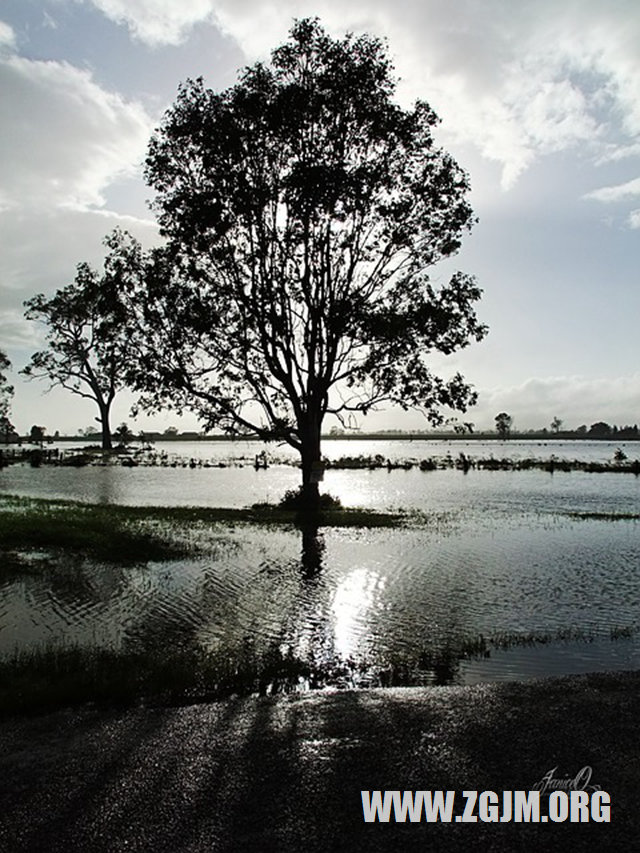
35	531
43	679
40	680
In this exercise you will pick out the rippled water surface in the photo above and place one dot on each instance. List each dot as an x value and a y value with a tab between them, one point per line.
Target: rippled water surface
499	581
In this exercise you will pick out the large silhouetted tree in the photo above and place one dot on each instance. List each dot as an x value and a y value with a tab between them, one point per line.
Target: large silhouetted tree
88	340
302	209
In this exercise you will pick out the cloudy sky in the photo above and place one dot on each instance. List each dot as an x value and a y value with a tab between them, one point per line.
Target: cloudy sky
539	101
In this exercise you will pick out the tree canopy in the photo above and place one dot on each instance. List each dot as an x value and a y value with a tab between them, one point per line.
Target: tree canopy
302	208
88	340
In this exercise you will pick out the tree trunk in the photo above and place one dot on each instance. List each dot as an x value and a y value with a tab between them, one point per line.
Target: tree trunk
311	458
103	420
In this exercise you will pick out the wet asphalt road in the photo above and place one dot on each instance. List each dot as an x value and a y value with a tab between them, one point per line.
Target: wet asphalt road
285	774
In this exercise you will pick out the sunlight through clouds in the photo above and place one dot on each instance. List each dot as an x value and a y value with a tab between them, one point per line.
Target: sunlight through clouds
508	82
521	82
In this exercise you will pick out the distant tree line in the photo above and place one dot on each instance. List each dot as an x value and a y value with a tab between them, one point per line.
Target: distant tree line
598	430
504	428
604	430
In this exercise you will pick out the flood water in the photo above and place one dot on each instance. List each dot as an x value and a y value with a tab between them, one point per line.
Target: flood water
498	581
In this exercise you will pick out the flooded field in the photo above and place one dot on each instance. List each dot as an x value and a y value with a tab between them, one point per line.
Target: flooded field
502	575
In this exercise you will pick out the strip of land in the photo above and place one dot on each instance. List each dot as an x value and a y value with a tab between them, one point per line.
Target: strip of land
285	773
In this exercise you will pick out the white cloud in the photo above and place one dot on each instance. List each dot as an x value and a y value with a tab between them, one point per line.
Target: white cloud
157	22
613	153
40	249
634	219
518	81
63	139
48	21
7	36
630	189
16	332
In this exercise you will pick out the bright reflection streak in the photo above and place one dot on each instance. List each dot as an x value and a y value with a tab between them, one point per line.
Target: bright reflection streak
353	599
353	491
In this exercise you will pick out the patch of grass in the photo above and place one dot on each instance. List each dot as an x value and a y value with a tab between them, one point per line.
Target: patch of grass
54	677
511	640
345	517
295	499
95	531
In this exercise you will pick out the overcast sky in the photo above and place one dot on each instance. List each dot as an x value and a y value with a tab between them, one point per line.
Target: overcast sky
539	101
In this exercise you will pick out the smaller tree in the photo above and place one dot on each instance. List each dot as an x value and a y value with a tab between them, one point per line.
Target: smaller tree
123	434
36	435
504	423
556	423
88	344
89	432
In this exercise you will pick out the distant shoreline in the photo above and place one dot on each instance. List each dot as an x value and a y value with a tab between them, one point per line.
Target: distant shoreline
368	436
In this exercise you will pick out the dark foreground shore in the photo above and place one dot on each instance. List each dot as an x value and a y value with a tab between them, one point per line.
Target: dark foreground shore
285	773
